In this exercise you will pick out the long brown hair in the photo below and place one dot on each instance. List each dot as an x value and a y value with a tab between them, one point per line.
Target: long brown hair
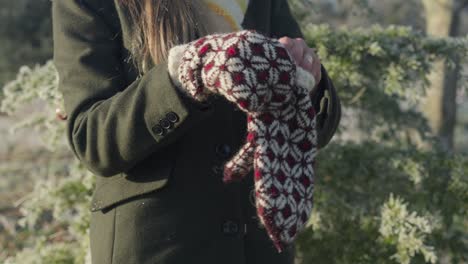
158	25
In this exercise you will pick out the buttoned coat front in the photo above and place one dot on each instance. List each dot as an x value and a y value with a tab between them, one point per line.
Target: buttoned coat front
157	154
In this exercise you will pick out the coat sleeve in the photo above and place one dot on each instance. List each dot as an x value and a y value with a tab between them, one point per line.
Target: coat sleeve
112	124
324	96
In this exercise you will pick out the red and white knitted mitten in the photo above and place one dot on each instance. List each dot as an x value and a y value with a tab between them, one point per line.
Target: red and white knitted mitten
281	145
258	75
246	67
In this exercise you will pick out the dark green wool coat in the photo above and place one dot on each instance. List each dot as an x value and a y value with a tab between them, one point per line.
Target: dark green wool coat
157	154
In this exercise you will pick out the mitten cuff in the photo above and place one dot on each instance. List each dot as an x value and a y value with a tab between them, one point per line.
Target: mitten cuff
305	79
173	62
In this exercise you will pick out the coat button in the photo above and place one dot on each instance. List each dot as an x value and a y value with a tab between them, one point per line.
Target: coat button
165	123
223	150
218	169
230	227
172	117
158	130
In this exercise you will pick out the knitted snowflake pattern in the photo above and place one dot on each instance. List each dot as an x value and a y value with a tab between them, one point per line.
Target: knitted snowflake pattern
258	75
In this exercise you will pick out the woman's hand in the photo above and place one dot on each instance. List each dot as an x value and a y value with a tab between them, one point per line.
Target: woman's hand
304	56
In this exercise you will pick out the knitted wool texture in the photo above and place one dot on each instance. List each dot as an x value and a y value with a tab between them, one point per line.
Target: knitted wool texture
258	75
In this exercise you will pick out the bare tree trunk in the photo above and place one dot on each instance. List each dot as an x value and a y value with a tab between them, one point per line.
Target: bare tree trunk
450	87
443	20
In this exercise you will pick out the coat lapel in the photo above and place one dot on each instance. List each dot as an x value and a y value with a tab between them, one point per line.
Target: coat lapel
257	16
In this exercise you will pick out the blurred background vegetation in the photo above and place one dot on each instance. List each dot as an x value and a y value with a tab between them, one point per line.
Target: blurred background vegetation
392	187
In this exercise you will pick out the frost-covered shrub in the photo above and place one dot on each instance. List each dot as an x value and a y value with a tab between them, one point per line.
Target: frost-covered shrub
379	197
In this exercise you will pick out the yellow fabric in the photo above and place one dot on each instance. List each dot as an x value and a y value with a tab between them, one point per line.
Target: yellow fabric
230	11
243	4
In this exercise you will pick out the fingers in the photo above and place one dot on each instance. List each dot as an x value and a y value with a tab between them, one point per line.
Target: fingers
316	67
317	71
287	42
310	59
295	48
304	56
312	64
298	51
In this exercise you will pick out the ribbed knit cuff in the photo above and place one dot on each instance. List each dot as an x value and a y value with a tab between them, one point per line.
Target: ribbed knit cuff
305	79
173	62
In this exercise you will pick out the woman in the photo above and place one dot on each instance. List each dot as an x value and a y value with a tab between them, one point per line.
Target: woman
157	154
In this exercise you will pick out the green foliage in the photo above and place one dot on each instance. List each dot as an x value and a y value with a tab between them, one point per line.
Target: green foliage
65	194
38	83
356	13
379	198
406	231
360	211
26	35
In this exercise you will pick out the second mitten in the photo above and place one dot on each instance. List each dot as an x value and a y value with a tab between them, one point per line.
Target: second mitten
281	147
258	75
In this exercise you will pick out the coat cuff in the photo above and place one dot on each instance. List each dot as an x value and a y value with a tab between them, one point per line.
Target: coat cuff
328	108
168	108
173	62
